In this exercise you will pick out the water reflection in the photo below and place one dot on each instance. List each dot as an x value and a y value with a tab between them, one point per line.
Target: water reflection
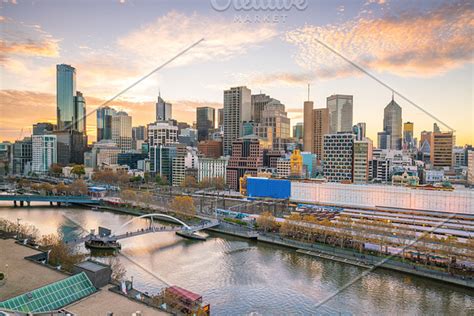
238	276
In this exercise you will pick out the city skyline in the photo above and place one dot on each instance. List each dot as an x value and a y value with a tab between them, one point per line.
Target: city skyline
28	70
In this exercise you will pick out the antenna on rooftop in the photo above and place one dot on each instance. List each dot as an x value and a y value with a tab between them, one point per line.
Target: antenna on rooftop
308	90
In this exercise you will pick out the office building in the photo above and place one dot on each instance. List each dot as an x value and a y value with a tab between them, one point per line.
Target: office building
211	168
104	122
459	157
340	109
392	124
237	110
338	157
316	125
274	117
188	137
130	159
441	154
79	123
383	140
298	130
360	130
122	131
361	161
283	167
161	161
408	138
104	152
43	128
220	118
44	153
139	135
22	155
65	92
163	110
210	148
162	133
246	157
470	167
205	121
70	146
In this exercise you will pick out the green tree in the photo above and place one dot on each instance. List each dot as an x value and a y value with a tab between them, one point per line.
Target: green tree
78	170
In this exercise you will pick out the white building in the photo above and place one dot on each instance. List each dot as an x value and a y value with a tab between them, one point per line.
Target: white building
103	153
283	167
122	131
470	168
370	195
191	159
210	168
44	152
162	133
337	156
459	156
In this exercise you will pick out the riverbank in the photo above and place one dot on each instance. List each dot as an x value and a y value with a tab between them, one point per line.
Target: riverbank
327	252
346	256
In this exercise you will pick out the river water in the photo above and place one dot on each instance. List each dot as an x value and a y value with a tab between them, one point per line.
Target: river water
240	277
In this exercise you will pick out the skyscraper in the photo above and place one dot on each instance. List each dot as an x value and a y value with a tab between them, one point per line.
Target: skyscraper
65	90
274	117
360	168
237	110
442	144
163	110
340	113
408	140
298	130
392	124
220	118
104	122
308	127
338	157
360	130
205	121
79	123
122	131
316	125
43	152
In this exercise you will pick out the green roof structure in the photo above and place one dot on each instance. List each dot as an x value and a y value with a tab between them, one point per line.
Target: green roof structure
53	296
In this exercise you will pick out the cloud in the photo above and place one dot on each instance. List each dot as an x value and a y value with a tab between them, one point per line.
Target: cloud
174	31
26	40
409	44
41	107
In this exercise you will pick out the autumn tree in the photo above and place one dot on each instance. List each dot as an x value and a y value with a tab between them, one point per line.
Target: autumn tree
118	269
183	204
189	182
55	169
266	221
219	183
59	252
128	195
61	188
78	187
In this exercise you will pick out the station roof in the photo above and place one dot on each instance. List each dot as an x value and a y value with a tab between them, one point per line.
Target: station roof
52	296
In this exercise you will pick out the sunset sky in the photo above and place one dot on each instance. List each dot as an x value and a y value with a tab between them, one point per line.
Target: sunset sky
423	49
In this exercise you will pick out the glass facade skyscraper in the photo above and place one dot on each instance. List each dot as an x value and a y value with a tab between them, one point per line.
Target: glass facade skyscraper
205	120
65	90
104	122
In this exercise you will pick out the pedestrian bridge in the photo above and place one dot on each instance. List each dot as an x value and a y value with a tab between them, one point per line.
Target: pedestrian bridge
58	199
152	228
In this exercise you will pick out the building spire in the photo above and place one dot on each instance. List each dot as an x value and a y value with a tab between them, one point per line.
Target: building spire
392	95
308	90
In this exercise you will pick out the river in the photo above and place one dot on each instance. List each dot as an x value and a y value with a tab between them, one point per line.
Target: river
240	277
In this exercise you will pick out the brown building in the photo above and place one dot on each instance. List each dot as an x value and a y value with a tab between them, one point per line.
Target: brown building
210	148
247	156
316	124
442	144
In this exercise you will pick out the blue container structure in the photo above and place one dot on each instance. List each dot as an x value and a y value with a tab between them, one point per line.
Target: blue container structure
268	188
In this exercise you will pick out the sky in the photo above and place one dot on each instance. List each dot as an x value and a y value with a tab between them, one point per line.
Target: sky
424	50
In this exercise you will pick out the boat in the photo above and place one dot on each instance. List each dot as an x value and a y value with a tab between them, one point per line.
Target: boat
100	244
190	235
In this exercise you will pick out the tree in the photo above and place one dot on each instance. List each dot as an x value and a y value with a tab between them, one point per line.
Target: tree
46	188
59	252
161	180
146	197
189	182
183	204
266	221
61	188
128	195
78	187
78	170
204	183
118	270
55	169
219	183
